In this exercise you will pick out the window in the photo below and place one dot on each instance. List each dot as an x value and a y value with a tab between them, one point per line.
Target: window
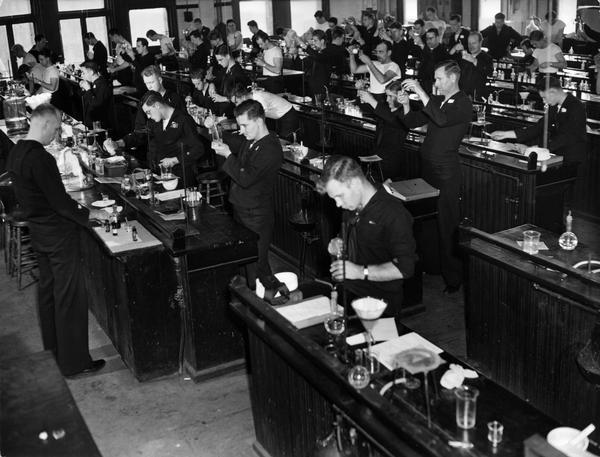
346	8
181	24
80	5
302	12
208	13
487	10
140	21
24	34
5	67
259	11
14	8
97	25
567	11
72	40
411	13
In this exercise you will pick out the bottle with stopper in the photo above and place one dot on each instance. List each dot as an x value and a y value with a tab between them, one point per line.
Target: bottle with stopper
568	240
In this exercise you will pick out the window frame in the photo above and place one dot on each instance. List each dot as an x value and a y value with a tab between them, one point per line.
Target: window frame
82	15
8	22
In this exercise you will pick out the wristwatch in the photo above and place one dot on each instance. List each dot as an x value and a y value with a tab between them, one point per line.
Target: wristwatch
366	272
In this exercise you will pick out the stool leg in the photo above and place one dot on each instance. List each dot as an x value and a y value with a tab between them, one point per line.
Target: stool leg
6	243
380	171
302	259
208	194
220	193
11	252
19	254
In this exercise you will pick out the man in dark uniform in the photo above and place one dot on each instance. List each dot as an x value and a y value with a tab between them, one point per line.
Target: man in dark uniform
97	54
173	137
199	59
391	132
455	33
143	59
153	82
401	47
253	26
475	67
40	43
233	74
433	54
97	96
378	231
369	36
253	171
447	116
500	38
566	123
325	58
56	222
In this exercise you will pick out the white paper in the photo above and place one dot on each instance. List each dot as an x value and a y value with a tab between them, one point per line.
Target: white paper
384	329
308	312
541	245
386	352
170	195
108	180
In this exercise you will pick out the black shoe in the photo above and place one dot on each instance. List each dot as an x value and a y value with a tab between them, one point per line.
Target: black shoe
96	365
450	290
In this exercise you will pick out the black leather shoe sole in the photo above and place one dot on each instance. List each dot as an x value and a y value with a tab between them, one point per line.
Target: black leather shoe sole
96	365
450	290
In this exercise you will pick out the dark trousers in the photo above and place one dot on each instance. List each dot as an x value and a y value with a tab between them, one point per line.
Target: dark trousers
260	221
62	301
288	124
273	84
448	182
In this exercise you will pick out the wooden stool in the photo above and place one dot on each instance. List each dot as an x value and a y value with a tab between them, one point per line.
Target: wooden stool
21	258
211	188
370	165
4	233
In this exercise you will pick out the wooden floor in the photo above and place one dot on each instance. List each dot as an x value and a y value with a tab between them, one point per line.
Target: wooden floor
173	416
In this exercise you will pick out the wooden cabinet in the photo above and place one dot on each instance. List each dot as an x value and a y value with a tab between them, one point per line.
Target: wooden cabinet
527	320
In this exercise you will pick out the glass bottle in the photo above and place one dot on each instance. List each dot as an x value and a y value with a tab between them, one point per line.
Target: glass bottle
568	241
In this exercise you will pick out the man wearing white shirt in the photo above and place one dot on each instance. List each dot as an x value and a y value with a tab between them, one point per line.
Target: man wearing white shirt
321	21
276	108
432	20
20	53
382	71
167	56
553	28
49	81
548	57
271	62
120	66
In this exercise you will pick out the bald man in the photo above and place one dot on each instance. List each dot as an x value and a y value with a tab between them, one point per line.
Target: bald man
56	222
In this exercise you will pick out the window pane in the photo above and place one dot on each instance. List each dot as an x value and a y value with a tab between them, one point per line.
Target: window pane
487	10
183	26
14	7
140	21
97	25
259	11
302	14
208	13
410	11
345	8
72	40
5	67
76	5
227	13
567	11
24	34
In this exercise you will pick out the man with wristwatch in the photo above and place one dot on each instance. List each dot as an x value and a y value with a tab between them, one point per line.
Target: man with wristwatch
377	233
